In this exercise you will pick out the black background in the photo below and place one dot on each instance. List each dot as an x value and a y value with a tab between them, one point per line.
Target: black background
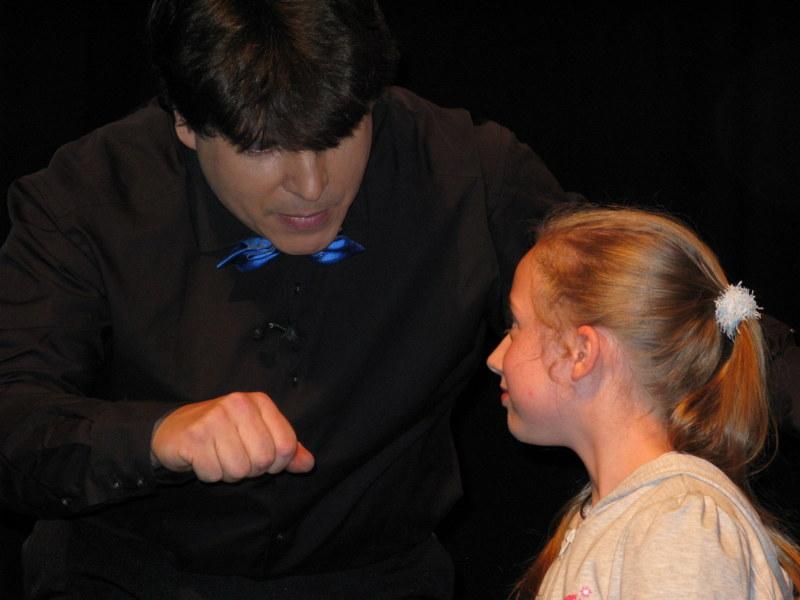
688	108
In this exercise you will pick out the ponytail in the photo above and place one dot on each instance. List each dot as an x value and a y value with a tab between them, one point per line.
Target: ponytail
726	421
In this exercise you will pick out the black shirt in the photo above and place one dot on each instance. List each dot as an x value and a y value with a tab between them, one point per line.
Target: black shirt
112	313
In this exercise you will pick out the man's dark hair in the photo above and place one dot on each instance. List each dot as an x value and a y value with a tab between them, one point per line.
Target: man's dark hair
293	74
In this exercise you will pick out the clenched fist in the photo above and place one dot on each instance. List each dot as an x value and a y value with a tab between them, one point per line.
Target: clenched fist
233	437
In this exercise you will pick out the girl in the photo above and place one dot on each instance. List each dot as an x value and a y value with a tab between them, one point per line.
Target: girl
629	346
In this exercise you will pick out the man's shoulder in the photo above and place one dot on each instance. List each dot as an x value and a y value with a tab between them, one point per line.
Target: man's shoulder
118	162
402	99
450	137
445	119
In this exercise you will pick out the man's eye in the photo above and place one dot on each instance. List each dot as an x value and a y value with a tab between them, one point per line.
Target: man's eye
258	151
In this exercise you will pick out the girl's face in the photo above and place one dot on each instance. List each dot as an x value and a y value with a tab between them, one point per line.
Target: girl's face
533	370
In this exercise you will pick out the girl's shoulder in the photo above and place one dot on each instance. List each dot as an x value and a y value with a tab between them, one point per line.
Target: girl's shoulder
684	512
679	498
675	478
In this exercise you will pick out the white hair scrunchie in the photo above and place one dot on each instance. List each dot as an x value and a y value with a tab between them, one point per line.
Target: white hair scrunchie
734	305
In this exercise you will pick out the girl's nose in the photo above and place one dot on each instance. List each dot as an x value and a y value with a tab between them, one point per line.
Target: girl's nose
495	360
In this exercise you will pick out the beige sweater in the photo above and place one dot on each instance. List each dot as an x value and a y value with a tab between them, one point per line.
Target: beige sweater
675	528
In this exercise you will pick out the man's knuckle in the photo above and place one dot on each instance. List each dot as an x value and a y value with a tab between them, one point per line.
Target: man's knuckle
285	448
238	470
235	401
207	473
262	464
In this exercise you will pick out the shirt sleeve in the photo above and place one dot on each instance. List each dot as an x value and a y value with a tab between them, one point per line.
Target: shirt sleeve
519	191
62	451
686	548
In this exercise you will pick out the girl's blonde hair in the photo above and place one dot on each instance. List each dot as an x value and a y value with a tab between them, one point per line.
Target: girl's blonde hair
651	281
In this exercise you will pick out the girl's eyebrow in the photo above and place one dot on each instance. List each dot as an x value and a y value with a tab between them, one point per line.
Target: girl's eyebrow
510	314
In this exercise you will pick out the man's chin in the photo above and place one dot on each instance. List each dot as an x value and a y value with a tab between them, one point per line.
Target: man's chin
302	247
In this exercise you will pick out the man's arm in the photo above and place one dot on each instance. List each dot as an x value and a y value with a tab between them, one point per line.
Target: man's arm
520	191
62	450
783	375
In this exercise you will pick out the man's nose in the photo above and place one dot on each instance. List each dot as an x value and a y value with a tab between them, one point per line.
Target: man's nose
306	174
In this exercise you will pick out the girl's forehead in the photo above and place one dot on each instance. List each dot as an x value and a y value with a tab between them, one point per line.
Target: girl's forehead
521	297
526	273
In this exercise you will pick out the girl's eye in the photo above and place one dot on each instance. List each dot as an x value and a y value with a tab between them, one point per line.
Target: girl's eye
508	315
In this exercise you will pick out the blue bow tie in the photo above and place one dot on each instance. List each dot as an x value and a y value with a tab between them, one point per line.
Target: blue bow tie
254	252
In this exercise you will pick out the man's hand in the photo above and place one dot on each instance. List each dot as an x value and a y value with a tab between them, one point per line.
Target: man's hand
229	438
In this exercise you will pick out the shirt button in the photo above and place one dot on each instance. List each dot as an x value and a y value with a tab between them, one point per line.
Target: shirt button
258	333
116	485
295	380
140	482
298	288
65	502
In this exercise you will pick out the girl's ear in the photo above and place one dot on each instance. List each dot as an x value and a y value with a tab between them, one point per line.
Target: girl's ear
585	351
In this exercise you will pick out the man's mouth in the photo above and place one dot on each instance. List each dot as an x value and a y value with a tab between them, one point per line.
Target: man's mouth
306	222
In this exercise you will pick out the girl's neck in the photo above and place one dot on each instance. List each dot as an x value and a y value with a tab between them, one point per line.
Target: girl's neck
620	442
616	427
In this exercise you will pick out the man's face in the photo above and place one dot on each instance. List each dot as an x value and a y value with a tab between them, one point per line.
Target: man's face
298	200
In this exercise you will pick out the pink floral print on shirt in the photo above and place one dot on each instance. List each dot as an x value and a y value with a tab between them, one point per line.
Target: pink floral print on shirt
584	593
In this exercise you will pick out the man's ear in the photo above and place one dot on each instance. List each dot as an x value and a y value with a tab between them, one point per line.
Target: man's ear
585	352
185	133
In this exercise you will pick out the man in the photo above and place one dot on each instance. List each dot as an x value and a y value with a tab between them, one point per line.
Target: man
190	417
